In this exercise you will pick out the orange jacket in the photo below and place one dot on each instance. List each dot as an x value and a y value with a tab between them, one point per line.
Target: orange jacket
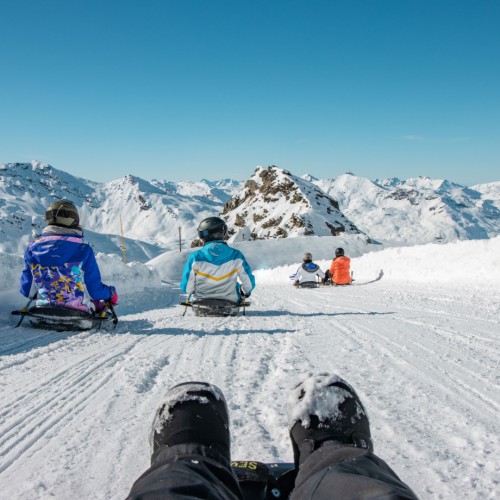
341	270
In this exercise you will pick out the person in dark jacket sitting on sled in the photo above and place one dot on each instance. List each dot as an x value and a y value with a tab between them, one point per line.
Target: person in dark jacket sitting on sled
212	272
330	436
308	273
58	264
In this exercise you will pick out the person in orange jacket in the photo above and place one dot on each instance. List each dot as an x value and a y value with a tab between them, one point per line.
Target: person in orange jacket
340	269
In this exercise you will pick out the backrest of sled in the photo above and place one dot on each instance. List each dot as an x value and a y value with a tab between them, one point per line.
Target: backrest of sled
215	307
58	312
62	319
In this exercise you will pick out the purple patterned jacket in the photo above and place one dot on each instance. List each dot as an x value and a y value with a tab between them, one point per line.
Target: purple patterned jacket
59	265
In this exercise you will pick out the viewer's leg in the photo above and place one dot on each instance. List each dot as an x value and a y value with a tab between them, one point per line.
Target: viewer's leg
190	446
332	445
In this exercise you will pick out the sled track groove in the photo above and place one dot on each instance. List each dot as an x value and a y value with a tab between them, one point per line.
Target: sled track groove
76	387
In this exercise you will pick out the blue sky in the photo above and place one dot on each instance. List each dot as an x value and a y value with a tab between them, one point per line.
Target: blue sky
184	90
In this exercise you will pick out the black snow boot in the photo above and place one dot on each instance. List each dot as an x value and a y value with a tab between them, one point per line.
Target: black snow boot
323	408
193	412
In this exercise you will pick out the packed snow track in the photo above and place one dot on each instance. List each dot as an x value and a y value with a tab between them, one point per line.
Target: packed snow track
76	408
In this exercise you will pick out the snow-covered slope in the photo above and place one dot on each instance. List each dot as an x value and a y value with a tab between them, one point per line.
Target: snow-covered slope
218	191
417	210
276	204
490	193
76	409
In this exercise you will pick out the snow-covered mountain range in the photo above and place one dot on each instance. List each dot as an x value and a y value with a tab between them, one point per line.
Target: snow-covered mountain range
272	203
419	210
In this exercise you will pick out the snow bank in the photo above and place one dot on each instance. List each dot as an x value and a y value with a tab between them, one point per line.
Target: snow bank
10	272
131	278
474	262
10	269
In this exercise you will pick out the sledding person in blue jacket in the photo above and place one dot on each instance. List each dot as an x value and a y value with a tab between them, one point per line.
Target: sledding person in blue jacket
212	272
58	264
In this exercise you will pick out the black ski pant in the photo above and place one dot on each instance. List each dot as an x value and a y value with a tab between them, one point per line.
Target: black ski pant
337	471
332	472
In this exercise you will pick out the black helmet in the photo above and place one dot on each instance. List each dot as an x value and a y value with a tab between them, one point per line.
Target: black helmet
308	257
212	228
62	213
339	252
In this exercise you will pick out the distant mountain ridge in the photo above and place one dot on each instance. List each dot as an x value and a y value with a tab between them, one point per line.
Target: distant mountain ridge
418	210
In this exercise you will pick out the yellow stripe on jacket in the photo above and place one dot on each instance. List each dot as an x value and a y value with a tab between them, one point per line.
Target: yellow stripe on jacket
215	278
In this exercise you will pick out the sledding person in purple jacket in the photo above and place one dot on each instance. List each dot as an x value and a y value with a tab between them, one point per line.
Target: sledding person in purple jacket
59	263
331	441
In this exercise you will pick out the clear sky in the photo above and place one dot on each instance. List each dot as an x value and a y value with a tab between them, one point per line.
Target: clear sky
191	89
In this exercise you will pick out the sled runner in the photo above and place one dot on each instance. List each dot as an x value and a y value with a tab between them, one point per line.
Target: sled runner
215	307
259	481
62	319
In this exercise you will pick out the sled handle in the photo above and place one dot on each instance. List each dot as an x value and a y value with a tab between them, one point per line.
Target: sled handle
25	309
113	313
186	304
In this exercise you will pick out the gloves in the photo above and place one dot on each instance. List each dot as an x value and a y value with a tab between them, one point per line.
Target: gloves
244	294
114	296
99	305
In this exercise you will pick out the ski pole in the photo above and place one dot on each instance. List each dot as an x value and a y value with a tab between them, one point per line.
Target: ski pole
25	308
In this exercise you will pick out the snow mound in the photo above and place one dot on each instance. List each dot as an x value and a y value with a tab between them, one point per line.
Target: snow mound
132	278
473	262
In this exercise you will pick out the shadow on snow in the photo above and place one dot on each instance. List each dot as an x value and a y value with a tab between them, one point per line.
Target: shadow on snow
307	315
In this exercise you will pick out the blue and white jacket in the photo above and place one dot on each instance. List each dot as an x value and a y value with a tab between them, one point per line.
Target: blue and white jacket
59	265
213	272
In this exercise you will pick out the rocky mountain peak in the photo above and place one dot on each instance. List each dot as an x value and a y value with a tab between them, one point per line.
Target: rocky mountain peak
273	203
